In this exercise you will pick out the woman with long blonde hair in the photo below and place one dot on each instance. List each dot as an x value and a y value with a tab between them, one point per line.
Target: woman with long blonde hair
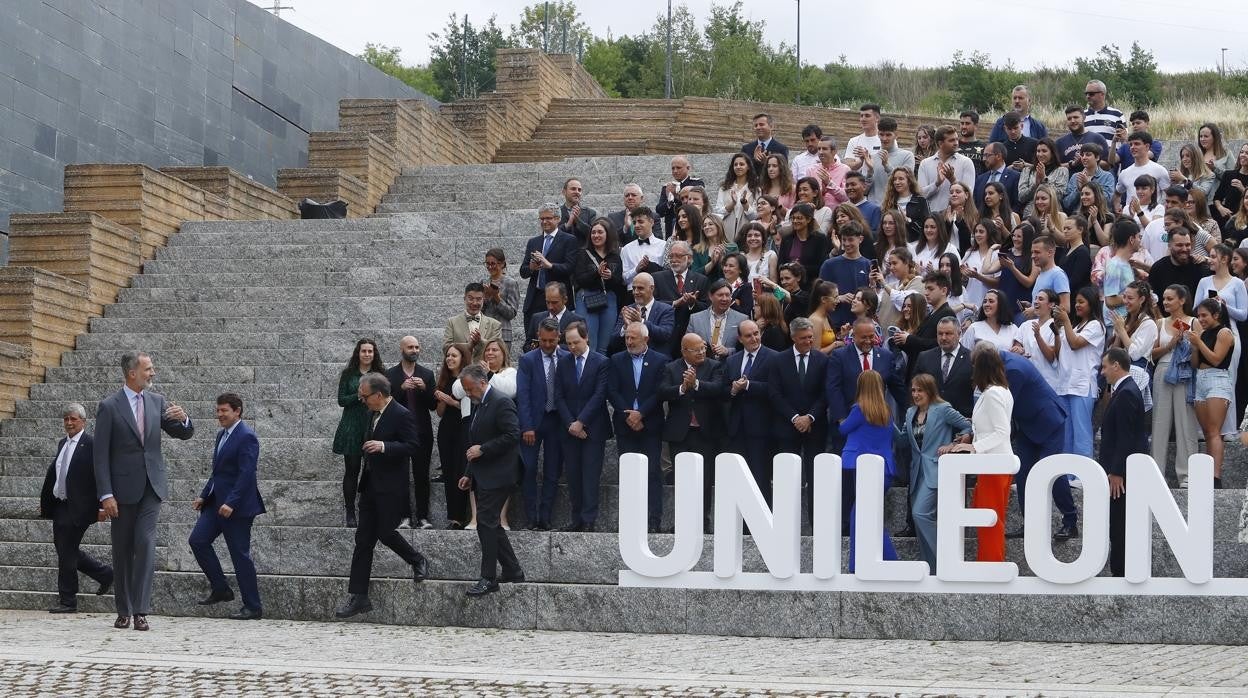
868	430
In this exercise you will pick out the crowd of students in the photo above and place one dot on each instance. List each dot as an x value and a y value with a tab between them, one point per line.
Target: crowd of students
798	304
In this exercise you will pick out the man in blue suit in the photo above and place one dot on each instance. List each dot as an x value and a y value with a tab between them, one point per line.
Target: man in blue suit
996	170
581	397
228	504
797	386
1121	435
633	381
659	317
749	406
844	367
1039	432
539	424
547	257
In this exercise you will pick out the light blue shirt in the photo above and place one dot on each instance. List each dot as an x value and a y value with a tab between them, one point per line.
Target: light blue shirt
638	362
1054	279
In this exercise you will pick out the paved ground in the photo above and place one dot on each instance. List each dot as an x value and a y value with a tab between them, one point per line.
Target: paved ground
82	655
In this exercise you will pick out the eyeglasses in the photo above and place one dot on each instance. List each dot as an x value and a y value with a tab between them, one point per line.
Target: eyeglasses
364	396
1089	94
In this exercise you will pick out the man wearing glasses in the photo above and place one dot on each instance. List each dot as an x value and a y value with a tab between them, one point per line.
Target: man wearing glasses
547	257
1099	117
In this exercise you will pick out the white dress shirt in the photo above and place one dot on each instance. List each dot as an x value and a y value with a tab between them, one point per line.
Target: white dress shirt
62	466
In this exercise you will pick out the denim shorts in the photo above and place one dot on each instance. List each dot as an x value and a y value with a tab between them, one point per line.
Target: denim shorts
1214	382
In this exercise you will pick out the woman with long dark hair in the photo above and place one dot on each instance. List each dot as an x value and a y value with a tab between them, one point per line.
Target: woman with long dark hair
738	193
805	245
453	413
903	195
598	274
353	424
777	182
1173	384
929	424
1082	339
1212	344
1048	169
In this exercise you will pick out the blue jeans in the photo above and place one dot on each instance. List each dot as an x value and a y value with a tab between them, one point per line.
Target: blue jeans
1078	439
601	322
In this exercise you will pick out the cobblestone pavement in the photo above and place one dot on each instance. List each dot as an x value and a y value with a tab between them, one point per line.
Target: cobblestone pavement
82	655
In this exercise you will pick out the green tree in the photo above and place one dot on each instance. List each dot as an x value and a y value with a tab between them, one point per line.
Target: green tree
564	17
386	59
977	85
463	57
1134	80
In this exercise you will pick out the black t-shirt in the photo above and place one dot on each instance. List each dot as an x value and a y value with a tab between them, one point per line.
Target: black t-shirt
1023	149
1077	264
975	151
1165	272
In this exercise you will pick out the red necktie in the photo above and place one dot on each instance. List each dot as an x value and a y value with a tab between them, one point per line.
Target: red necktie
680	284
865	366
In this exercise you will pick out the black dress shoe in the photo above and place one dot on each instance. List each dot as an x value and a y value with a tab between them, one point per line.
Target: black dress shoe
105	586
907	532
355	605
420	570
66	608
589	528
517	578
1066	532
573	528
454	526
1015	533
482	587
245	613
217	597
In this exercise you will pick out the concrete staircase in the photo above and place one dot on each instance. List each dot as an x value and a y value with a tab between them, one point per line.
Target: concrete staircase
272	309
597	127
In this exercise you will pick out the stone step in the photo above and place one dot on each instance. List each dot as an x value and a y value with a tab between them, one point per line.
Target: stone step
583	167
605	608
372	279
381	311
243	325
321	345
366	254
74	392
548	557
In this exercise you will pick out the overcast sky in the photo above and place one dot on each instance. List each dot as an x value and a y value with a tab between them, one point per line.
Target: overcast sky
907	31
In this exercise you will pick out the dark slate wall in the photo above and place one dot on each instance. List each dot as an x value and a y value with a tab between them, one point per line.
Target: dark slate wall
161	82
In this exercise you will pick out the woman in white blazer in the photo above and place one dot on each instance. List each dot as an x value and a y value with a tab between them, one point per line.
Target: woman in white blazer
990	422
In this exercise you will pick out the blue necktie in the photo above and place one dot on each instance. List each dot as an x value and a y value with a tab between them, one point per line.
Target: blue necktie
225	434
749	364
580	366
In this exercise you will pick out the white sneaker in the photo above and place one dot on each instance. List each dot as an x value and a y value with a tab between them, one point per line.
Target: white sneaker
405	523
1076	484
471	527
424	524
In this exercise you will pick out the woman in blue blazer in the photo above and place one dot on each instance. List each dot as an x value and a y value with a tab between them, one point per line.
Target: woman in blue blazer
868	429
930	423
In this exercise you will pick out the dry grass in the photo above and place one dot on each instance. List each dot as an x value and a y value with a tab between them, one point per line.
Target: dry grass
1178	120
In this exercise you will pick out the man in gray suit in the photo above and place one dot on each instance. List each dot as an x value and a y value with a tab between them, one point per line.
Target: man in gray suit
131	480
717	325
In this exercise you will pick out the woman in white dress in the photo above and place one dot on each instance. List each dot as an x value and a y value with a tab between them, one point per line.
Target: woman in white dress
990	422
981	268
995	324
738	193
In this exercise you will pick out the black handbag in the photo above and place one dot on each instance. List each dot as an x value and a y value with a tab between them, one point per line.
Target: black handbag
595	300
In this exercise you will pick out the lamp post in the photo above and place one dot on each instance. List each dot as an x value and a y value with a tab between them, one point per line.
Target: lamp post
667	70
1223	62
799	53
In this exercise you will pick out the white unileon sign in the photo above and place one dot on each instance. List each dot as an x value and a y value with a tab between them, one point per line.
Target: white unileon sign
777	531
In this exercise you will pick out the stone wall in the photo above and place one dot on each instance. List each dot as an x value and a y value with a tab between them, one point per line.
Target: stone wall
163	83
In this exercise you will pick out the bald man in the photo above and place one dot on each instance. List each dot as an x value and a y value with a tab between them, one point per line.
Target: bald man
413	386
695	391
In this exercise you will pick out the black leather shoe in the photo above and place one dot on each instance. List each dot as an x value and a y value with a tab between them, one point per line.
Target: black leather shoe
245	613
589	528
907	532
1066	532
573	528
454	526
217	597
1016	533
420	570
105	587
355	605
482	587
66	608
517	578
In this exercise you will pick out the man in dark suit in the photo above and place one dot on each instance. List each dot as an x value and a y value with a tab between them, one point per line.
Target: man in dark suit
749	406
633	381
683	289
131	479
950	364
574	218
997	170
581	398
658	317
539	424
228	505
493	438
848	362
763	144
1039	432
797	385
413	386
68	498
556	308
936	292
669	196
623	219
389	443
547	257
694	389
1121	435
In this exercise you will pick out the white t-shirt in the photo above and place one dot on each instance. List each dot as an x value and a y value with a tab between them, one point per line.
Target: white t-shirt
1027	337
1077	367
980	331
802	162
1126	180
871	143
1155	238
975	289
929	259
